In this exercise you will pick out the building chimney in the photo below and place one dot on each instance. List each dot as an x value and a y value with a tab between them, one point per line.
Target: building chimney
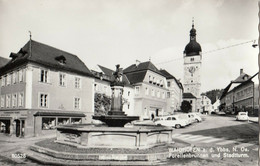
241	71
137	62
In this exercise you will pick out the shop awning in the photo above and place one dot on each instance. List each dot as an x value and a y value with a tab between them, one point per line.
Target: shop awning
59	113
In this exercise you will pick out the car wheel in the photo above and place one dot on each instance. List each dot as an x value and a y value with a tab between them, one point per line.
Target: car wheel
197	121
177	126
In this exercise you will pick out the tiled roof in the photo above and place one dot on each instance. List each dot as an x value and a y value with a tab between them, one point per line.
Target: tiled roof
47	56
188	96
142	67
108	72
3	61
242	78
167	74
136	77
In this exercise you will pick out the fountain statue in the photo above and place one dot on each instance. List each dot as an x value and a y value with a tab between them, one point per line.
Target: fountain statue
116	117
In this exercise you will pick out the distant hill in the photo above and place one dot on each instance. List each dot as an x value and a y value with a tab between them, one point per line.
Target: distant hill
213	94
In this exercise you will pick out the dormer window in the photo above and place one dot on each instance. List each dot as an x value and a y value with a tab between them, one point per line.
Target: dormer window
61	59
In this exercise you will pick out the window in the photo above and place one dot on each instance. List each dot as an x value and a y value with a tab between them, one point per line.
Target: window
137	90
44	76
191	59
75	120
8	101
63	121
158	94
14	77
169	83
3	81
48	123
168	94
152	92
128	93
44	100
2	101
77	82
14	100
62	79
163	95
8	79
76	103
21	76
20	99
191	101
128	106
150	79
146	91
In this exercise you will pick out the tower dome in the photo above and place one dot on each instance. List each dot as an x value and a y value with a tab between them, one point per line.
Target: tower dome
192	48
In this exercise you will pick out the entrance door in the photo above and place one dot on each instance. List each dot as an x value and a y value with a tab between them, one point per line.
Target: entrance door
17	128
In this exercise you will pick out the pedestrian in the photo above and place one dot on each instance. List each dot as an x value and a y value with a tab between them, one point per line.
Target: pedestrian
152	116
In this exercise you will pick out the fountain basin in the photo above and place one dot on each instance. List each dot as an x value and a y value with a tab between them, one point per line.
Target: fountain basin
136	137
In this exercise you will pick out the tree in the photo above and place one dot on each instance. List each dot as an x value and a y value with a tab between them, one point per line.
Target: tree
213	94
186	106
102	104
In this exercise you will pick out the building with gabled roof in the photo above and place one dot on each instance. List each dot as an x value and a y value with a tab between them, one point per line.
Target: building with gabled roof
174	93
42	87
150	89
103	79
239	95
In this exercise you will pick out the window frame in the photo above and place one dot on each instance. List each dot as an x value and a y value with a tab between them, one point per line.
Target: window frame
46	101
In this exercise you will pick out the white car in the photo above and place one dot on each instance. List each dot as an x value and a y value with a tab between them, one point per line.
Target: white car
186	118
173	121
242	116
195	117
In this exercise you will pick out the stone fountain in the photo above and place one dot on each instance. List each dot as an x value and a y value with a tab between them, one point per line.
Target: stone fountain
114	134
116	117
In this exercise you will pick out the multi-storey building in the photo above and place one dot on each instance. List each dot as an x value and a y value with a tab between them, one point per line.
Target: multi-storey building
206	104
192	68
104	77
42	87
150	89
241	97
174	93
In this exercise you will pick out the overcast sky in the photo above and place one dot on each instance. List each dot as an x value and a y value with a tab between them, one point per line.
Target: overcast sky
110	32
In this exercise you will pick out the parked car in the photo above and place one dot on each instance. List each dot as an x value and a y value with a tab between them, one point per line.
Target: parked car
186	118
195	117
173	121
242	116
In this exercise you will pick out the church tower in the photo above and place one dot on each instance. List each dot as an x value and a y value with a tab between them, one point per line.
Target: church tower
192	67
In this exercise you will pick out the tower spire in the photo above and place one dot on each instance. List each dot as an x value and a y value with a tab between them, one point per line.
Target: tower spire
30	49
192	22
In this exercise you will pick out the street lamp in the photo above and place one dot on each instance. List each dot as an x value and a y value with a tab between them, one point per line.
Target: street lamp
254	44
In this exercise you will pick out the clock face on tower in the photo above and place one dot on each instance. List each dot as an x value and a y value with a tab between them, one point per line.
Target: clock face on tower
192	69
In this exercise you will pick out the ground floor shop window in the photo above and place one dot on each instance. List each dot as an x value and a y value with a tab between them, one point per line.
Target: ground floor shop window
63	121
75	120
48	123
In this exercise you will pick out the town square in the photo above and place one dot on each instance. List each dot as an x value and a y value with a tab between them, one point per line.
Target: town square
129	82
